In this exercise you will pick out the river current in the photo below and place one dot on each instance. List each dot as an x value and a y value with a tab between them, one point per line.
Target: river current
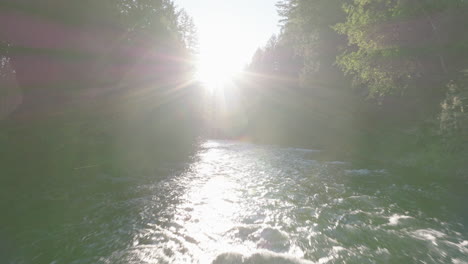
243	203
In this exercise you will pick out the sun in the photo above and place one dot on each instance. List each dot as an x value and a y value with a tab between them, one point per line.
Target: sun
213	72
221	57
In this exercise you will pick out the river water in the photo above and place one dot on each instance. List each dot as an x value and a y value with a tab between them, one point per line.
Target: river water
243	203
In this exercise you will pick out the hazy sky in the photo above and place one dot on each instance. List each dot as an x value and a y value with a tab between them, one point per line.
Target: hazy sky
231	30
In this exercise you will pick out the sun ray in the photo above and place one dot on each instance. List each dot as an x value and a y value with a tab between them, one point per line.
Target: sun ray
214	72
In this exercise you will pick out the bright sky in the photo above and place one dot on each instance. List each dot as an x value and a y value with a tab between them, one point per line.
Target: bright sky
231	31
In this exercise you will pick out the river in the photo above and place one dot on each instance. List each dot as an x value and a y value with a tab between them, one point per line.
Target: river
243	203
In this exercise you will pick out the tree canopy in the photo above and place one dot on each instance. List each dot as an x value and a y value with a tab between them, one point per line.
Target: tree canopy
369	66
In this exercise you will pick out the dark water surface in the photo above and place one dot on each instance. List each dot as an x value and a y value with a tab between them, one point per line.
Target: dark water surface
241	203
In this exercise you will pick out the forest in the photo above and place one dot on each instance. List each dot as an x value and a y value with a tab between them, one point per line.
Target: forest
379	79
343	140
84	82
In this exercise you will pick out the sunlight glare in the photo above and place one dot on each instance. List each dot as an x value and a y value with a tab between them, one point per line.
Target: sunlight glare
219	59
213	73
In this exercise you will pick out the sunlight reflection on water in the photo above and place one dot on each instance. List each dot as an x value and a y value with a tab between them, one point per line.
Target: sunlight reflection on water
241	203
214	215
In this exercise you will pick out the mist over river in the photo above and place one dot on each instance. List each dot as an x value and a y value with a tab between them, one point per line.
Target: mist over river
235	202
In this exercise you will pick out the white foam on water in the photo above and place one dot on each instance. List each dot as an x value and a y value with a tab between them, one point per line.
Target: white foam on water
365	171
382	251
430	235
459	261
337	163
462	246
273	239
261	257
305	150
338	249
360	171
325	259
395	219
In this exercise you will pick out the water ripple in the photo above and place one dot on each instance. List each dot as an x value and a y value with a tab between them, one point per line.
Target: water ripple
242	203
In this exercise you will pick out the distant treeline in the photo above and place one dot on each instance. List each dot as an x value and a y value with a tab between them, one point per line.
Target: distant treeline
379	79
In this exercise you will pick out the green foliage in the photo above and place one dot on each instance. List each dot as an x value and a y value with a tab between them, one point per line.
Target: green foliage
277	58
454	114
382	72
398	55
116	97
307	27
188	31
394	44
